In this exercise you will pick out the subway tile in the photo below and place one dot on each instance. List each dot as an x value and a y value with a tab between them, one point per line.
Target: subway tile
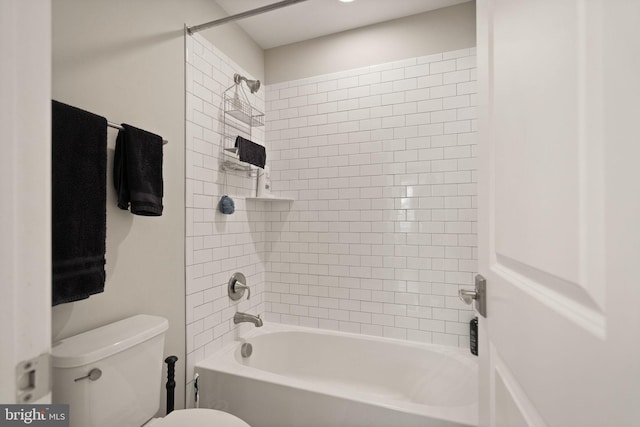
348	82
385	192
405	108
467	88
288	92
443	91
430	105
392	98
466	62
418	119
443	116
429	58
327	86
308	89
381	88
406	322
359	92
416	70
442	66
467	113
456	53
458	152
431	325
405	84
459	126
459	101
369	78
432	129
456	77
392	75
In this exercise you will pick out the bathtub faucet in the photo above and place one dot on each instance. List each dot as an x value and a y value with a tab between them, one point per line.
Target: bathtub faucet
244	317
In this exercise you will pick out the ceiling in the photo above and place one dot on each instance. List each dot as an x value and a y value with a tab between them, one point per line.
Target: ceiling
315	18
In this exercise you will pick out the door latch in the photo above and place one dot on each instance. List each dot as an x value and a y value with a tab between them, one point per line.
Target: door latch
33	379
479	295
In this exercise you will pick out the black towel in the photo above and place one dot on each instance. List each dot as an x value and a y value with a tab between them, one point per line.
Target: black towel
137	171
79	175
250	152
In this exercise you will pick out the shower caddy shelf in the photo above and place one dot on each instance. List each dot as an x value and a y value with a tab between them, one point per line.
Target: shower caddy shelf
243	111
238	119
271	199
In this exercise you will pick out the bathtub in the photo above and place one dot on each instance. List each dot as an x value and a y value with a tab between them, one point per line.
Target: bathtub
302	377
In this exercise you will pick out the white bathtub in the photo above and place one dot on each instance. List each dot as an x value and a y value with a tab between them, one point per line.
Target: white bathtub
301	377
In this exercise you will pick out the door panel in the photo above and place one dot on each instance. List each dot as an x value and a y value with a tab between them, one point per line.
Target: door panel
25	188
542	179
557	81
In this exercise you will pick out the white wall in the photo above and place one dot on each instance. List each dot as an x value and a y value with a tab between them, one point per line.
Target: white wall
427	33
125	60
381	163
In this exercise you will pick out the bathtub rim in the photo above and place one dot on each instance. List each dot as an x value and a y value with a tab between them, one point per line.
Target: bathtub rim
224	361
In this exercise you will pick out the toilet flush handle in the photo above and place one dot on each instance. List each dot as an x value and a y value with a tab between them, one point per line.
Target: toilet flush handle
93	375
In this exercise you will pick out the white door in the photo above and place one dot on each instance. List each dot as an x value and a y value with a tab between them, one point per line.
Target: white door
559	203
25	194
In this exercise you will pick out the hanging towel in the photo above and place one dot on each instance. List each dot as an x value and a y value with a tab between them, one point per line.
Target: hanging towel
79	175
137	171
250	152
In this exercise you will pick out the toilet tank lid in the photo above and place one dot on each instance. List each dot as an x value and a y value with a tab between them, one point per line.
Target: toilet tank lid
107	340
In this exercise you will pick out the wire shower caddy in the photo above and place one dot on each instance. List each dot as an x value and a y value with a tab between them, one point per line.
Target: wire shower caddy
238	119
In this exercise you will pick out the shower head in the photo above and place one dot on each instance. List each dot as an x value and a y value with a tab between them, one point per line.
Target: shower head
253	85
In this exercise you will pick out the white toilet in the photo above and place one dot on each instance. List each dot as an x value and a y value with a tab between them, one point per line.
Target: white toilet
112	376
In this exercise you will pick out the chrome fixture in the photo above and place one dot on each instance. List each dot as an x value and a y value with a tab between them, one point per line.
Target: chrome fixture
248	13
246	349
244	317
467	296
253	85
93	375
237	286
479	294
119	127
196	389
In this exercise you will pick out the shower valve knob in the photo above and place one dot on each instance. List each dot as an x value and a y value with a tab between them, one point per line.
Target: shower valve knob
237	286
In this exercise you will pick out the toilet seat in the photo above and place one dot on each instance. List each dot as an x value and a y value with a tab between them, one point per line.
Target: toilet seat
198	417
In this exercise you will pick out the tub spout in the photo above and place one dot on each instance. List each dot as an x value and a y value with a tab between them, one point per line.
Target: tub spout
245	317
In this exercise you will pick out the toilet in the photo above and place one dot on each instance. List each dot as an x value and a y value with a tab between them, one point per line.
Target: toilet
112	376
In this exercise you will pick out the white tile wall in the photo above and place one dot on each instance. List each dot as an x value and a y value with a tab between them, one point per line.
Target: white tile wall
381	163
217	245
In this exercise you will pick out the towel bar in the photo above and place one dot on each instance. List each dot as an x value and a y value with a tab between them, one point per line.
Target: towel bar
117	126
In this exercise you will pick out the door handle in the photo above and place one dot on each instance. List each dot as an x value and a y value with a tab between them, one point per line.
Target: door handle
467	296
479	294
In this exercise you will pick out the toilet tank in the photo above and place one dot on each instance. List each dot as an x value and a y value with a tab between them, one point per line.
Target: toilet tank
129	355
